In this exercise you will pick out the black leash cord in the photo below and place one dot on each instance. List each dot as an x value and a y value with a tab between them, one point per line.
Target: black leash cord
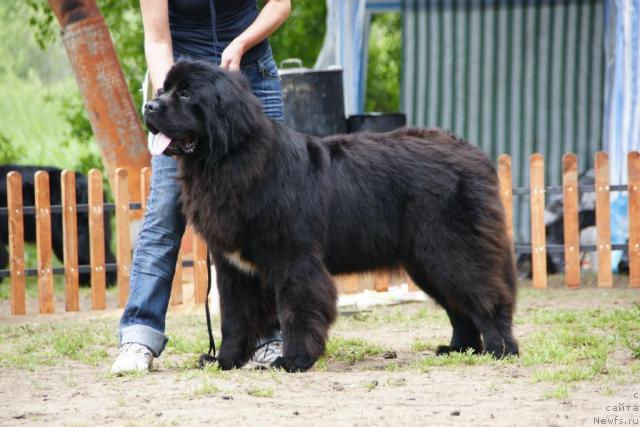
209	357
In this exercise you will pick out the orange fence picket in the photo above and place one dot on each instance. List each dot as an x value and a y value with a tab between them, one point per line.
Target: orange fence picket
145	184
200	269
96	240
634	219
381	282
570	220
603	220
506	190
43	242
70	239
349	284
123	243
16	242
538	233
176	285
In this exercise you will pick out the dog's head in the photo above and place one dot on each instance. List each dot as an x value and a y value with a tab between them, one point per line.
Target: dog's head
202	111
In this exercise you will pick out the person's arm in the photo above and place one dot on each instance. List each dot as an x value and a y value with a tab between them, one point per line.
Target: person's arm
271	17
157	40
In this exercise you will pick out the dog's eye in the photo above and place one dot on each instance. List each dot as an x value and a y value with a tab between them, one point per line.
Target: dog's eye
183	94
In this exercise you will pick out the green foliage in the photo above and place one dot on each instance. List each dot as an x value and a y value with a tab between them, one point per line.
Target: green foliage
124	21
302	34
385	59
9	152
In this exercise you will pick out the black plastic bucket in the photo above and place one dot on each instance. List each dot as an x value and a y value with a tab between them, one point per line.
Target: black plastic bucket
313	99
376	122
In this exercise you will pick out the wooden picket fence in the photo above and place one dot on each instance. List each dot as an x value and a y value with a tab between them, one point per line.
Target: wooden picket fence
97	268
123	206
570	191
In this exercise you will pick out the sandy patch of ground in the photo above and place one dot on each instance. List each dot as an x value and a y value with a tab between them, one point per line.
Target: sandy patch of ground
369	392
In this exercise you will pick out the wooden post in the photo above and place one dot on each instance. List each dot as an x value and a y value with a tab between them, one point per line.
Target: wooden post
571	223
603	220
176	286
350	283
634	219
96	241
381	282
200	269
506	191
145	186
123	243
70	239
538	234
16	242
43	242
412	285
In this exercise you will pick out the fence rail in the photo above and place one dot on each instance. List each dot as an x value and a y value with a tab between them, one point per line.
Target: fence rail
123	208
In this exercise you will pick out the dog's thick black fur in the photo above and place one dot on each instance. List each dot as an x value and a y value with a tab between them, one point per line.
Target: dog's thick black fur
28	199
282	212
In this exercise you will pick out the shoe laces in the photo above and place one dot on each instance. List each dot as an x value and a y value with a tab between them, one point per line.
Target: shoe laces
136	348
269	350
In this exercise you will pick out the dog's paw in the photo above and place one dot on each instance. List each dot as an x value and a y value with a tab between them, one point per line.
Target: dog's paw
293	364
444	350
227	364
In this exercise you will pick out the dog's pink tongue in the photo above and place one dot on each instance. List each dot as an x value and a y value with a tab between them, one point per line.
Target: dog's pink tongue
159	144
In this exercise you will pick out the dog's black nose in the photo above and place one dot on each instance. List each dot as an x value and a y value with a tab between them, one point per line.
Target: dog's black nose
151	106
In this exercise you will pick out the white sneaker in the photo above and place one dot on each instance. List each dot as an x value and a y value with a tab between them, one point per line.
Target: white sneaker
265	355
133	358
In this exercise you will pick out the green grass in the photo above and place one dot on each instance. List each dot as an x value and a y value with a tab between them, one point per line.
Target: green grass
398	315
569	346
30	346
560	392
420	345
351	350
207	389
260	392
453	359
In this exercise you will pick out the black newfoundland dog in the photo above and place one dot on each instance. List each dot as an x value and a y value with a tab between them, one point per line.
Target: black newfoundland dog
282	212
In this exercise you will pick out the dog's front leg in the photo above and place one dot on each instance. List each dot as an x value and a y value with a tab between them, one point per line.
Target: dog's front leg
306	300
241	314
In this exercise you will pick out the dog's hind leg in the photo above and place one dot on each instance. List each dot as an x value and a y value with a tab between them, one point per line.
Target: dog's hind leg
466	335
470	282
247	312
306	299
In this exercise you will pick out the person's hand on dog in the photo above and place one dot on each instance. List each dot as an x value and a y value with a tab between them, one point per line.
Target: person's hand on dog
232	56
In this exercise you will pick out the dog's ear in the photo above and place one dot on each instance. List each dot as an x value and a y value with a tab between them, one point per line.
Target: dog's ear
232	113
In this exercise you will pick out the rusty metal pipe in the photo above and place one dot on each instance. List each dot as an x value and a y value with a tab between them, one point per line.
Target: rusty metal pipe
109	105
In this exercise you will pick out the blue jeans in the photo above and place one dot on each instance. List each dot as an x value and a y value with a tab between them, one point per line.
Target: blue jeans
156	252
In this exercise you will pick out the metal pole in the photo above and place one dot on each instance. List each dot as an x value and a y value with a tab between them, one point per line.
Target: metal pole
111	111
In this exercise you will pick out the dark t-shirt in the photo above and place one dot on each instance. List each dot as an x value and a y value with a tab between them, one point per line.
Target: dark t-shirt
192	27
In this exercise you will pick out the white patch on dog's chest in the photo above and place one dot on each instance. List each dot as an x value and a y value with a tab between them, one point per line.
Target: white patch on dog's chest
241	264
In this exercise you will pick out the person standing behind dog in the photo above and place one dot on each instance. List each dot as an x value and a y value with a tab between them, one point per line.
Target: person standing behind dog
232	34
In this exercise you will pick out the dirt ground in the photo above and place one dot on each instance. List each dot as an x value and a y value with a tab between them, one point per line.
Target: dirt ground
357	384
